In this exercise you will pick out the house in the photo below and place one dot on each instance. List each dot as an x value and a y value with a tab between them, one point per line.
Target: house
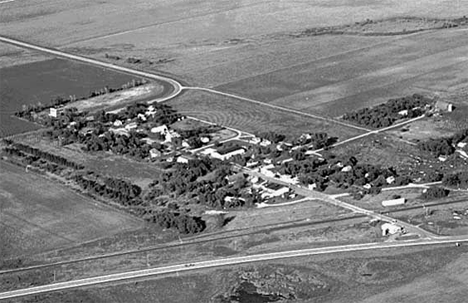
461	144
182	159
204	140
403	113
255	140
224	154
120	131
390	180
55	112
162	129
141	117
154	153
393	202
265	142
118	123
131	125
347	168
390	229
444	106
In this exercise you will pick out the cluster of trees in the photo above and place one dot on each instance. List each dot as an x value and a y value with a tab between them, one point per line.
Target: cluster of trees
118	190
192	181
22	150
437	147
435	193
317	140
28	111
443	146
386	114
271	136
457	180
344	172
130	145
184	223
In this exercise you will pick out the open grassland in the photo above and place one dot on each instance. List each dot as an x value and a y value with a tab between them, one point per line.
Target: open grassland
253	118
115	166
434	61
404	275
44	215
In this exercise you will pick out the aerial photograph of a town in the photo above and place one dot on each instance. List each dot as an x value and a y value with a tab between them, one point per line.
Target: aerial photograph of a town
234	151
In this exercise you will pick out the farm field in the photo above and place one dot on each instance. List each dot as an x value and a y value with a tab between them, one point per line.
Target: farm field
182	20
46	80
365	77
407	276
42	215
253	118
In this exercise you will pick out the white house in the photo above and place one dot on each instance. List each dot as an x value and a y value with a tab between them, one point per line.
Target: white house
390	229
154	153
118	123
390	180
131	125
162	129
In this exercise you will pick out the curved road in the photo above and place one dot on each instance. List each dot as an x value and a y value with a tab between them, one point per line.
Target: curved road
219	262
172	88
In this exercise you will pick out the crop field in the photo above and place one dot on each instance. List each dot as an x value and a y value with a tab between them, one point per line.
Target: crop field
365	77
44	215
253	118
44	80
58	23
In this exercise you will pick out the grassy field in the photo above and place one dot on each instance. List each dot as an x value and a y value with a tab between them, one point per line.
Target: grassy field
253	118
45	215
406	275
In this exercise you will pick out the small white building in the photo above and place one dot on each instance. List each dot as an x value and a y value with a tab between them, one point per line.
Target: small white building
444	106
393	202
390	229
55	112
390	180
131	125
118	123
403	113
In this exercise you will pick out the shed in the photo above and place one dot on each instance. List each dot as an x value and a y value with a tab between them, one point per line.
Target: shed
393	202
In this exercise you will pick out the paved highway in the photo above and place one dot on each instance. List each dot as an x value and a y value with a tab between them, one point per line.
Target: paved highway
220	262
172	88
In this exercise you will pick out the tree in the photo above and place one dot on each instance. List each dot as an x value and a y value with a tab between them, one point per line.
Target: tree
435	193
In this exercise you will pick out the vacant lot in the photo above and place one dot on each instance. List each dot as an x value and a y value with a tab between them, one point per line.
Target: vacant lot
253	118
44	215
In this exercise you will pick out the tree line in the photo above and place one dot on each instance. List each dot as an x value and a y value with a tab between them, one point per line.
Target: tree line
443	146
386	114
28	110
